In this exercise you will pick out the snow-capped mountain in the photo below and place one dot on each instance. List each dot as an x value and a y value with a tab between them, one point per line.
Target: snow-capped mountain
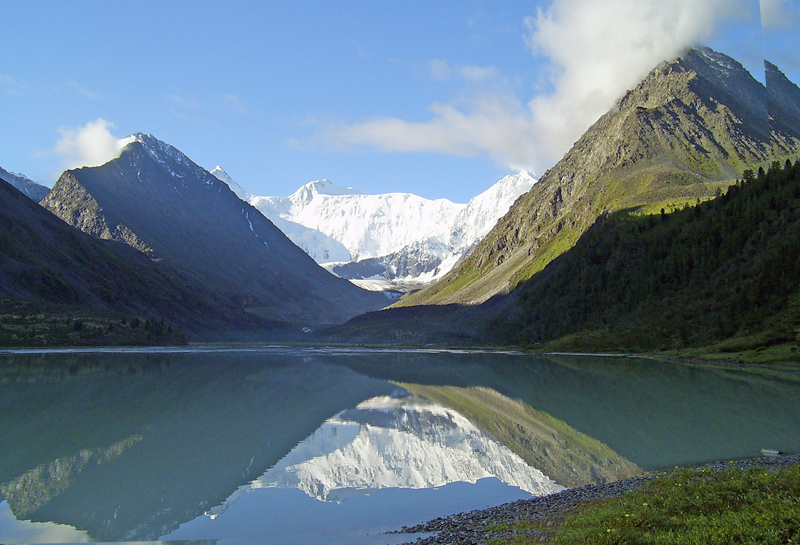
389	442
393	236
31	189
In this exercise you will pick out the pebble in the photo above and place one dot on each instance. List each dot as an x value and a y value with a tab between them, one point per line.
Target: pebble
475	527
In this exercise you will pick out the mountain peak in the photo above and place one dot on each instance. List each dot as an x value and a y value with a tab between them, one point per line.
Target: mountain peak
326	187
159	150
223	176
689	127
323	187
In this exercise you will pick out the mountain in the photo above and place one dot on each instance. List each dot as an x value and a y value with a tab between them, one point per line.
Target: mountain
724	271
155	199
50	272
398	237
784	108
31	189
403	442
688	129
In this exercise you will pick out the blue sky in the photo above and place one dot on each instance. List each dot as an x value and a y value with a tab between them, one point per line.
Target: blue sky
435	98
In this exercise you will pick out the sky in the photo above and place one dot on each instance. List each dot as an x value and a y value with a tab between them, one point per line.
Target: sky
436	98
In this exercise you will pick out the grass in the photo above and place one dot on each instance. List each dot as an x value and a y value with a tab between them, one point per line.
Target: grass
568	456
706	507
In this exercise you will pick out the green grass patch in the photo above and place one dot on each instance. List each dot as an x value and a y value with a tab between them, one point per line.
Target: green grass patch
706	507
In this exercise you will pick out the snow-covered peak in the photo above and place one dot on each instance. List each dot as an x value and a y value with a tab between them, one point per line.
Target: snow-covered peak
308	192
333	224
170	158
507	190
158	150
387	442
223	176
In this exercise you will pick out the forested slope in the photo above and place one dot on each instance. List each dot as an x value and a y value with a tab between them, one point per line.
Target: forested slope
725	268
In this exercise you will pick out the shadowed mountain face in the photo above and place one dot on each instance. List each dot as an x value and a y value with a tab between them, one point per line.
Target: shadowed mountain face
690	127
45	262
35	191
784	108
158	201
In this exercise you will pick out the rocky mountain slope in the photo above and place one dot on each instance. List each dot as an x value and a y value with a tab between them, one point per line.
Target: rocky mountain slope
726	270
155	199
35	191
784	109
688	129
396	237
48	269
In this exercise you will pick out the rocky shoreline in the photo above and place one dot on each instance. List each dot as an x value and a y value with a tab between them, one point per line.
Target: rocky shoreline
480	526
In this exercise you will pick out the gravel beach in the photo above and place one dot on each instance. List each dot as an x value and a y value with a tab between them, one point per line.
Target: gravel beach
476	527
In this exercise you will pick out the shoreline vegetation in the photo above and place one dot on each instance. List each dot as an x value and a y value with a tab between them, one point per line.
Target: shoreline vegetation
755	500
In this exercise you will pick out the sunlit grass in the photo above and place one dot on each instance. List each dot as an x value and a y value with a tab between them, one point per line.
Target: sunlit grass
707	507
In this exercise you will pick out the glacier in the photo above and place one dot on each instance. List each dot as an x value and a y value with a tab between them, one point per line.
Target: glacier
392	240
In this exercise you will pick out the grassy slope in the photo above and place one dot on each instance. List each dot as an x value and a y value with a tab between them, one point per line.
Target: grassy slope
701	506
724	273
562	453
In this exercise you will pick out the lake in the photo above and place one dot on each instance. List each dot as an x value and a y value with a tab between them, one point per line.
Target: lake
326	445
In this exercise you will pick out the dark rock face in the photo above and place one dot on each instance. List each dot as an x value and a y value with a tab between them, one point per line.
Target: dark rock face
158	201
44	261
784	106
690	127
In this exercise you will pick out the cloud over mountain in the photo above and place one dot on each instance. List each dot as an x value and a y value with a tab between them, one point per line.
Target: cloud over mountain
593	53
88	146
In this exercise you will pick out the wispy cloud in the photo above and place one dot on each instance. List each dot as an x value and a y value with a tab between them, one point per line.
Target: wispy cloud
235	103
594	50
360	51
187	103
83	91
442	70
89	145
12	86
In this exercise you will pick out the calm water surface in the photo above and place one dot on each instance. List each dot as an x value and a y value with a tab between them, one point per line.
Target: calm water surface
279	445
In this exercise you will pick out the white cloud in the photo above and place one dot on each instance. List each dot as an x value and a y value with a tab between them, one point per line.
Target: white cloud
90	145
601	49
493	125
595	51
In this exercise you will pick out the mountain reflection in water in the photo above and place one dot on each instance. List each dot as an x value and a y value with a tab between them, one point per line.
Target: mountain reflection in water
142	445
401	442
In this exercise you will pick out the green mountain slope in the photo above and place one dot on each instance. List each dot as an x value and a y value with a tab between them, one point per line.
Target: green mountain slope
728	268
689	128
